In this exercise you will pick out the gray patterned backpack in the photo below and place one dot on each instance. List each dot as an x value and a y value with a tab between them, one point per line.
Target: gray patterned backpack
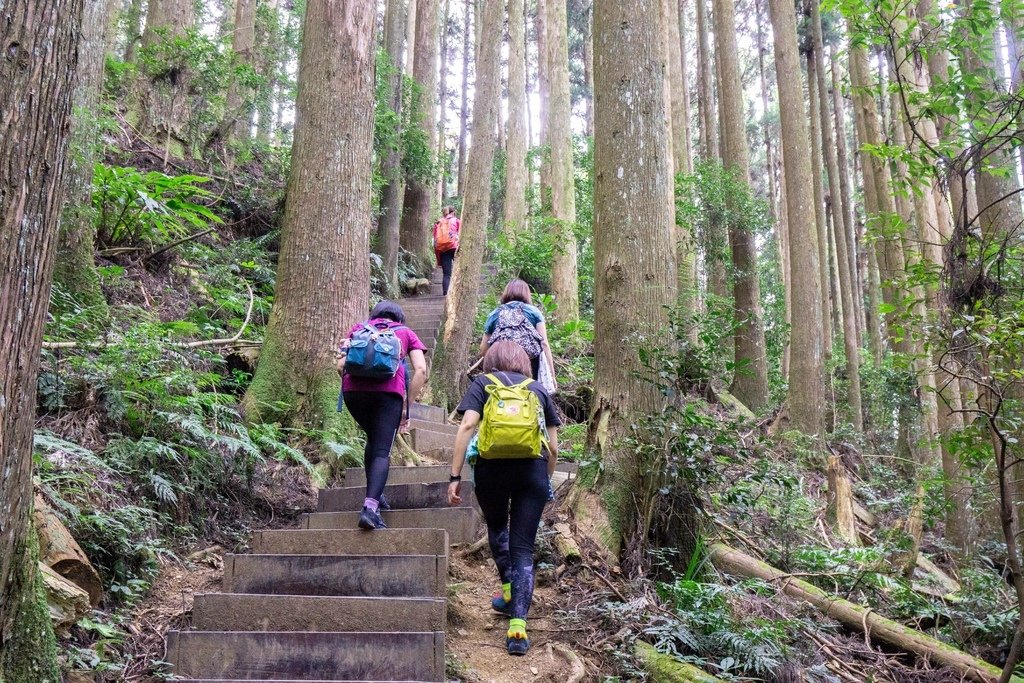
514	326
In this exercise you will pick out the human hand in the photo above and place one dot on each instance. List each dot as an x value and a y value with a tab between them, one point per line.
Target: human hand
454	489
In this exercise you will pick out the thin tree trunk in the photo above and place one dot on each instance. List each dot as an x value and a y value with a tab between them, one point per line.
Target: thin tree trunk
464	108
410	37
819	207
133	30
705	83
269	67
684	84
391	194
40	42
588	69
765	128
676	83
415	234
564	280
452	356
633	233
515	164
238	106
806	398
544	99
442	107
323	273
750	384
166	106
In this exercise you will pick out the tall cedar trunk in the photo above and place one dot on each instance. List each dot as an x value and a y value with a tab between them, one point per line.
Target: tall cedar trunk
323	272
238	107
819	207
515	163
708	148
40	43
270	55
634	260
463	297
165	93
564	280
765	128
442	106
467	23
415	228
588	69
75	269
544	98
410	37
133	29
391	194
806	397
787	270
750	385
686	249
684	65
846	279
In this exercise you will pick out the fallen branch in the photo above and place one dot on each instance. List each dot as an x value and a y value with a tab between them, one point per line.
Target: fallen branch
177	243
241	330
856	617
667	669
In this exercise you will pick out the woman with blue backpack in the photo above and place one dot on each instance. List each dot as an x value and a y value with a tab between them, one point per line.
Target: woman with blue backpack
376	388
518	447
517	320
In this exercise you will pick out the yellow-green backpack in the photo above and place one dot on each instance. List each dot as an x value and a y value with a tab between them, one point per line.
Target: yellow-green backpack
511	426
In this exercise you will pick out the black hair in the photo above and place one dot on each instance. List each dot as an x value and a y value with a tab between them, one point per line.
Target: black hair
388	309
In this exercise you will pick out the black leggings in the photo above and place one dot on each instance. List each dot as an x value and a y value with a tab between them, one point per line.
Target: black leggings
378	413
447	258
512	495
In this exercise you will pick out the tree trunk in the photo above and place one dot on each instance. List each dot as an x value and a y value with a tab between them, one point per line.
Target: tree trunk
464	109
686	249
238	107
410	37
323	272
708	148
133	30
684	85
391	193
564	280
765	128
166	105
544	99
750	384
515	163
268	30
846	279
75	269
442	106
634	254
806	398
40	43
588	69
819	207
452	356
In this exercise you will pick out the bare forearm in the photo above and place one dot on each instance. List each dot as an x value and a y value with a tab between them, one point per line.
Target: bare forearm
552	451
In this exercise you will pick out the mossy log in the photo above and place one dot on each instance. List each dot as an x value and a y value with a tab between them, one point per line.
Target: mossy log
667	669
66	601
857	617
60	551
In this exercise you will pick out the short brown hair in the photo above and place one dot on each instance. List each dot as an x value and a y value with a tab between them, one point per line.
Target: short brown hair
448	210
506	356
517	290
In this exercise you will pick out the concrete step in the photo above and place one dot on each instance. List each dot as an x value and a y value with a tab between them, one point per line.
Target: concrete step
425	333
461	523
351	542
400	497
423	302
436	288
440	454
402	576
425	319
247	612
443	427
427	413
307	656
426	474
428	438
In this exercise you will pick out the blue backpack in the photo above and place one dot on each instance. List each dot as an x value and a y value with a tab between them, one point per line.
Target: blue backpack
374	353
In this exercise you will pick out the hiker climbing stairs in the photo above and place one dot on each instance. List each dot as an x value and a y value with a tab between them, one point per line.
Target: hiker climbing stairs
330	602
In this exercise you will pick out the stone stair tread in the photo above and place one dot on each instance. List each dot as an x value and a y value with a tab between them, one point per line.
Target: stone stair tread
331	613
461	523
403	576
307	656
400	497
424	411
351	542
428	438
414	474
432	426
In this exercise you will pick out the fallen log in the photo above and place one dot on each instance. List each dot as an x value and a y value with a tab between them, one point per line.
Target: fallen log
667	669
60	551
857	617
66	602
840	511
566	545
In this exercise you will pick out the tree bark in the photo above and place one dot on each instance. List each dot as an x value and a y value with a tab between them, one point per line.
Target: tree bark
268	36
75	269
391	194
819	208
515	164
133	30
464	108
40	44
452	357
564	280
410	37
708	148
588	69
415	234
544	99
765	128
238	107
166	106
750	384
684	85
634	253
805	377
716	240
686	244
839	228
323	272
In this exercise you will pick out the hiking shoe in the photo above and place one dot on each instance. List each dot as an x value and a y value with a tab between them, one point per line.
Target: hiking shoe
498	603
368	519
517	644
383	503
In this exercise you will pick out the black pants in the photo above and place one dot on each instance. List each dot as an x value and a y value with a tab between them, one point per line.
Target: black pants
512	495
378	413
447	258
535	365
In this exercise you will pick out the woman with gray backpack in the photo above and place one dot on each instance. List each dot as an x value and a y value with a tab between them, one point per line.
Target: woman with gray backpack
517	320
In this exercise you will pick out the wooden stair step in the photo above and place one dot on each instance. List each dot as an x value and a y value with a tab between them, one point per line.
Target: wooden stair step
403	576
307	656
253	612
399	497
351	542
461	523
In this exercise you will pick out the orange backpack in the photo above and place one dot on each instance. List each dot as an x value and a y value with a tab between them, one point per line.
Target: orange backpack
445	238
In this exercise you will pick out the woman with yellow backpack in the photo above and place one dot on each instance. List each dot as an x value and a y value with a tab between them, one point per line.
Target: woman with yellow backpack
518	447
